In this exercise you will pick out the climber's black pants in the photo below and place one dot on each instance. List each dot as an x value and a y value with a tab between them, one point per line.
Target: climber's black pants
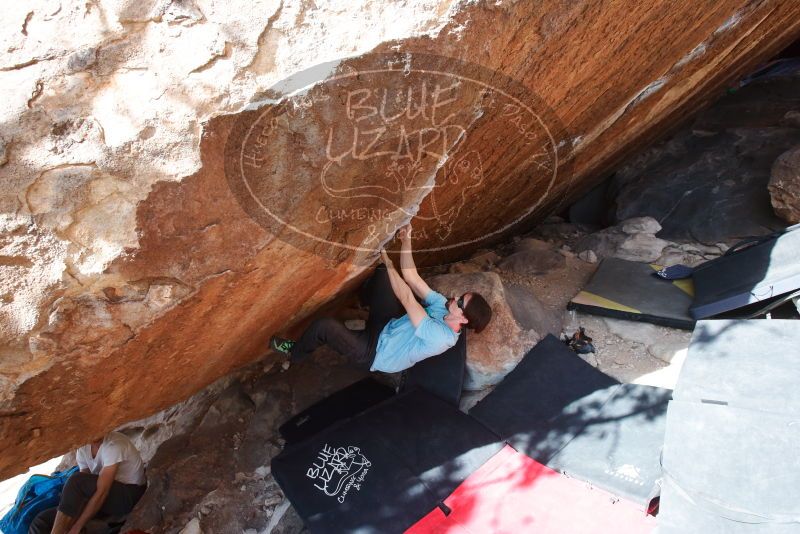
357	347
77	491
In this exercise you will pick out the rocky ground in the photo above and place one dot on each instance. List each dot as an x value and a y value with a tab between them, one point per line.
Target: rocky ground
214	475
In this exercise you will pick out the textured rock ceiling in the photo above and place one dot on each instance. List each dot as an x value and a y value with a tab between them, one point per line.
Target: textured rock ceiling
164	207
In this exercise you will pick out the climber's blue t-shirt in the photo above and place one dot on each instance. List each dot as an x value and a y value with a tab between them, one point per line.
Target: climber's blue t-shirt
400	345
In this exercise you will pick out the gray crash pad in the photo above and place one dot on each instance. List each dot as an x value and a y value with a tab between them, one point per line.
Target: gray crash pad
752	364
732	432
735	464
630	290
681	514
754	274
619	448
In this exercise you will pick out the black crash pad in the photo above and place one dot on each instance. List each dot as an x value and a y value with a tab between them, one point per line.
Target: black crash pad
561	411
752	364
343	404
748	275
629	290
384	469
548	379
442	375
729	468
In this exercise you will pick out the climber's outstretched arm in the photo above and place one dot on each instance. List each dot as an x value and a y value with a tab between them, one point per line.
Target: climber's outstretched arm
407	267
416	313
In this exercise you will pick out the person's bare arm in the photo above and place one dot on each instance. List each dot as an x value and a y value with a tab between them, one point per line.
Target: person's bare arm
416	313
104	481
407	267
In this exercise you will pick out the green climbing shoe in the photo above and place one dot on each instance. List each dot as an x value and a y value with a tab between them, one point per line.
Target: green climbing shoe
281	345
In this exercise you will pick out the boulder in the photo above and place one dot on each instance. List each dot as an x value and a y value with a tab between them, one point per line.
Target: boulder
192	527
485	258
640	225
482	260
623	242
531	262
784	186
792	118
640	247
708	181
561	232
588	256
690	254
465	267
674	255
183	179
530	244
519	321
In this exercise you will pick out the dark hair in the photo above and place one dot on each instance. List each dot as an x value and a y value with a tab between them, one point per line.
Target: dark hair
478	312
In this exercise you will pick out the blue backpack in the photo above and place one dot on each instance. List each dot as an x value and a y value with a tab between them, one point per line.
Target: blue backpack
39	493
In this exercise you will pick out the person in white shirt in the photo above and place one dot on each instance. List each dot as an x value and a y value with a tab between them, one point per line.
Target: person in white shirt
110	483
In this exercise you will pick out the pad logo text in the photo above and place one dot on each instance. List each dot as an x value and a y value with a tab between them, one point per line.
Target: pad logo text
339	470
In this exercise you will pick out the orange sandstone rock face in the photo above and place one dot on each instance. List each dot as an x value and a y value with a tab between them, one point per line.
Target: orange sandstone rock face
180	180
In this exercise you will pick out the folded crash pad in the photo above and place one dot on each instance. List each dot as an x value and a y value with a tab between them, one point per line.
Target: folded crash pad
343	404
728	467
384	469
563	412
512	493
629	290
442	375
746	275
750	364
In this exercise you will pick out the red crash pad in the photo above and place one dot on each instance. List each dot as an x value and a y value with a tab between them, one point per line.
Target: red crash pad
512	493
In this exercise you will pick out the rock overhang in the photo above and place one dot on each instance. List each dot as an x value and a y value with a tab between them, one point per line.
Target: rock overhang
142	279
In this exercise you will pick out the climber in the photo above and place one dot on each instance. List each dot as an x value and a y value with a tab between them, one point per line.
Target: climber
109	484
399	331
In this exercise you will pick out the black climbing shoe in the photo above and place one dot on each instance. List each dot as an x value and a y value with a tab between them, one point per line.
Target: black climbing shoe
281	345
580	342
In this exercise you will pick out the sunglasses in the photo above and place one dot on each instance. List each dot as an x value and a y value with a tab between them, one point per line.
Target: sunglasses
460	302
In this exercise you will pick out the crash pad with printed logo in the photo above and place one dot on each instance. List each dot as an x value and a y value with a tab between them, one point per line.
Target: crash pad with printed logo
384	469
